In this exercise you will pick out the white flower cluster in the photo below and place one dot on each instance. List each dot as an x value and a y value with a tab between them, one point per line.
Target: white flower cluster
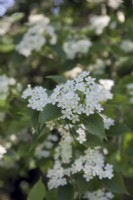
80	95
99	22
107	121
56	176
114	3
75	97
106	85
127	46
64	149
74	47
5	5
100	194
81	134
5	84
91	164
130	91
34	38
38	97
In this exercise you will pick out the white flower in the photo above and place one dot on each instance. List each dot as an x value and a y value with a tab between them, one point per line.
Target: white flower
56	176
91	164
98	195
34	38
107	83
127	46
81	135
74	47
114	3
75	97
38	97
34	19
64	149
98	23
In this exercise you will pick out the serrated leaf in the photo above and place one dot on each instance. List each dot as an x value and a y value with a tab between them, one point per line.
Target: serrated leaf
50	112
116	184
38	191
57	78
66	193
94	125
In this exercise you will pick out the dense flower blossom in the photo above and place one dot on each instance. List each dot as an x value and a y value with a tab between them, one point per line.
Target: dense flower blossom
74	47
127	46
91	164
81	134
38	97
56	176
75	97
34	38
98	23
5	5
100	194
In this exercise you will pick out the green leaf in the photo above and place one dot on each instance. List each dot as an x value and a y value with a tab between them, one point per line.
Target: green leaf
116	184
94	125
38	191
66	193
50	112
34	119
57	78
118	129
81	184
92	141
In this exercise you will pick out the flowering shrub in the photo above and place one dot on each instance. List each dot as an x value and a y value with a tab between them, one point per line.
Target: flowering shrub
66	95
